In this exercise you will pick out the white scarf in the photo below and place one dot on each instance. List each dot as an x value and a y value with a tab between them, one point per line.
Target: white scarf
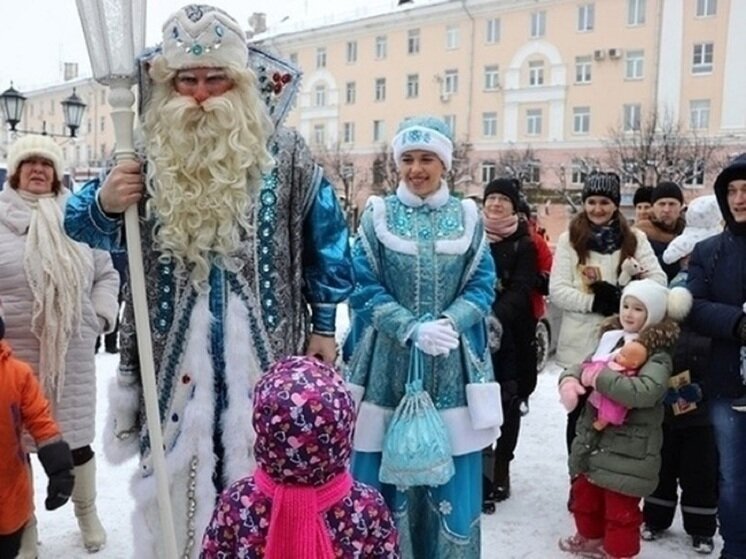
54	267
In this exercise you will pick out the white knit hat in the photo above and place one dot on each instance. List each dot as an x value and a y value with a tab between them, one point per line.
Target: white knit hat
426	133
659	301
199	36
703	220
34	146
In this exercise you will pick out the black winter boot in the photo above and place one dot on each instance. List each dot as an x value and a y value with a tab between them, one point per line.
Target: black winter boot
501	480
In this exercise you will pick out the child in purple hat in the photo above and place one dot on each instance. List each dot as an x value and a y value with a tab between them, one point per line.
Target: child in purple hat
301	501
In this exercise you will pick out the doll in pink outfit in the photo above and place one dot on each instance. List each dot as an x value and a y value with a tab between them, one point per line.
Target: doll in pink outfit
628	361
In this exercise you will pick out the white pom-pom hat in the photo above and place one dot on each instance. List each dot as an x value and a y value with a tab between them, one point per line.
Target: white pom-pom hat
703	220
659	301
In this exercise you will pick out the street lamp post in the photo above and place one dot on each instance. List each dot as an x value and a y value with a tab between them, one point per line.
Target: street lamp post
12	102
114	33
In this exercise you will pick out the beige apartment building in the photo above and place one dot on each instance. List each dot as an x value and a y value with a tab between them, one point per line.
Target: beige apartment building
548	78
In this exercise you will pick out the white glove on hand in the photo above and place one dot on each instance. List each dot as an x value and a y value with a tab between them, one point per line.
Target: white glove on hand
436	337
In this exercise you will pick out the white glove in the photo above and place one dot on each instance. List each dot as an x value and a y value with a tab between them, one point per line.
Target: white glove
436	337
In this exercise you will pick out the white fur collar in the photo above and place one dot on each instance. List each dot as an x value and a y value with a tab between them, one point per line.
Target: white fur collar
436	200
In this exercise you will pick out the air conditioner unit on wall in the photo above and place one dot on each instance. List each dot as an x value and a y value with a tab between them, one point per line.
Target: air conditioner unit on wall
615	53
599	54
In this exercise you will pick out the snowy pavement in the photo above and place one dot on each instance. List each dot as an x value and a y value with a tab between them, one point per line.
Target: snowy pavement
527	525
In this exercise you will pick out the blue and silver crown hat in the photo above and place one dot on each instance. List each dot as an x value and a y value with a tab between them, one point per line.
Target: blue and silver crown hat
200	36
426	133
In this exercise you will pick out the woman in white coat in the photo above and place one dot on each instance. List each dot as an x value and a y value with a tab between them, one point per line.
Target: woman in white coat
59	296
584	282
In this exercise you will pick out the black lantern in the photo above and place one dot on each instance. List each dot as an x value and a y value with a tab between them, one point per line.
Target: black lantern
11	104
73	108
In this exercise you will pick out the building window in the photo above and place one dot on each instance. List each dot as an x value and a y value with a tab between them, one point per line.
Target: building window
491	77
348	132
489	125
702	59
636	12
538	24
380	94
492	31
413	41
413	85
102	124
533	122
381	47
450	121
319	96
581	120
452	37
318	134
533	172
350	91
487	171
351	52
582	69
293	58
102	147
577	175
696	173
632	117
536	73
450	82
707	8
89	125
586	15
321	57
634	64
699	114
379	130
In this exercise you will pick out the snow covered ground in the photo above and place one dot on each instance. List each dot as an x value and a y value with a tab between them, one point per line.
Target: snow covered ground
527	525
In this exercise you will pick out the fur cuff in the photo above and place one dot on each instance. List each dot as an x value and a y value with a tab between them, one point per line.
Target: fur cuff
121	432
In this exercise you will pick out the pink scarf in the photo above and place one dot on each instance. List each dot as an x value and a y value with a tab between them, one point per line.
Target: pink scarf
499	228
296	528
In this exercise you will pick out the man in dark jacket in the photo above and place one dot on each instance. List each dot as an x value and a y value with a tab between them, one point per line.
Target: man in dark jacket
665	223
717	280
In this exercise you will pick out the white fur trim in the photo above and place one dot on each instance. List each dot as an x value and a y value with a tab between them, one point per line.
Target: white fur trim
372	423
387	238
123	408
242	371
425	139
679	303
194	439
462	244
436	200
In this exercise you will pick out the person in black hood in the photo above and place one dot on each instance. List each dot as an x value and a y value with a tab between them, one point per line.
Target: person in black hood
717	280
515	260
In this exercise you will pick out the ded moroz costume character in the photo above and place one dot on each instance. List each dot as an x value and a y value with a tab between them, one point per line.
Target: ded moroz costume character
241	234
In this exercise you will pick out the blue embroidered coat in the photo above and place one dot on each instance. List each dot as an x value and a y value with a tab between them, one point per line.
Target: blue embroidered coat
413	262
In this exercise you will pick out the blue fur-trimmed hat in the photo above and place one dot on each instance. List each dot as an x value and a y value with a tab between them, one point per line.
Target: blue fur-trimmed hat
426	133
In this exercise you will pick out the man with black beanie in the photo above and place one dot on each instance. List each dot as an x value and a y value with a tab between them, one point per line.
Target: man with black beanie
665	223
717	280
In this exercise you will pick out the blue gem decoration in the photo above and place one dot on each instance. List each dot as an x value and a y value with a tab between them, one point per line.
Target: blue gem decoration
197	49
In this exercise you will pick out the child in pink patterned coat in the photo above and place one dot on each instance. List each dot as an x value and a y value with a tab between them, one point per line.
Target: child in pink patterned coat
301	501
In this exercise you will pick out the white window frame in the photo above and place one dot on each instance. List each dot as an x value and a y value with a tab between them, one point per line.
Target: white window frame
698	174
380	89
487	171
492	31
491	77
348	132
379	130
536	73
321	57
538	26
453	37
634	64
450	121
351	52
577	174
450	82
636	12
413	86
703	55
631	117
699	114
533	172
350	93
319	134
581	120
413	41
489	124
707	8
319	95
583	69
534	122
381	47
586	17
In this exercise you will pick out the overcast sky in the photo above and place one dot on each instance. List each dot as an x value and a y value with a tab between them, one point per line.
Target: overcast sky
38	36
